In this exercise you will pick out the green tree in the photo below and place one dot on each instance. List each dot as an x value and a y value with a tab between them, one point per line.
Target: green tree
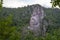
7	31
55	3
1	2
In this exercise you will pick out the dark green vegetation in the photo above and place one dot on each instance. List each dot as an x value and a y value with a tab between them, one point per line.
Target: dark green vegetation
1	2
13	20
55	3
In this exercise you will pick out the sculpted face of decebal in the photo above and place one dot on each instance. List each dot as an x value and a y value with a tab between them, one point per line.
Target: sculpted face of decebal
36	20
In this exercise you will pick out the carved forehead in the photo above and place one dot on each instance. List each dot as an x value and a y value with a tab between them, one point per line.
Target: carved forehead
36	6
37	10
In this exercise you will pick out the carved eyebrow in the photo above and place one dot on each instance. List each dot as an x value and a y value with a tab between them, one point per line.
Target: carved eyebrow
33	19
36	14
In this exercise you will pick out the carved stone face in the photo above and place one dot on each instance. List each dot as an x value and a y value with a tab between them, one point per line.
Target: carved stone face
36	20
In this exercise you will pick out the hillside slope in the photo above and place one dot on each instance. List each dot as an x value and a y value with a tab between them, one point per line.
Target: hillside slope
21	18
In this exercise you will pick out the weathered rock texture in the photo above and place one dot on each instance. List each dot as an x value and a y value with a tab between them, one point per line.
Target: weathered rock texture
37	22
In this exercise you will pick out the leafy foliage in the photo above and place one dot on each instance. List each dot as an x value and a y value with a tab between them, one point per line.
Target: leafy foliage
55	3
1	1
7	31
13	20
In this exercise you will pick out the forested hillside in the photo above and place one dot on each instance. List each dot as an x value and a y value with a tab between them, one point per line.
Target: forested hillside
17	18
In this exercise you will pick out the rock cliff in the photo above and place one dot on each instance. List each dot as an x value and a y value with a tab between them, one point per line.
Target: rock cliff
37	22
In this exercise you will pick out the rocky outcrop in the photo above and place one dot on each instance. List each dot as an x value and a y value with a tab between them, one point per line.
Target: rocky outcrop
37	22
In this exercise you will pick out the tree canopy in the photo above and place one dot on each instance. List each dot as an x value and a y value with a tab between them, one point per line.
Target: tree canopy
55	3
1	1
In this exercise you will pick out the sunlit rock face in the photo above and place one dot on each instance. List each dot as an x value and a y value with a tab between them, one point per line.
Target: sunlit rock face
36	21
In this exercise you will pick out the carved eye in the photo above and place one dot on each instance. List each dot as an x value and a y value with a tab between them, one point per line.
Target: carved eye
35	23
33	19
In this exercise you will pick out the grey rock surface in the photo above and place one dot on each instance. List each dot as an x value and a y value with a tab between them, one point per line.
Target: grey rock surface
37	24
